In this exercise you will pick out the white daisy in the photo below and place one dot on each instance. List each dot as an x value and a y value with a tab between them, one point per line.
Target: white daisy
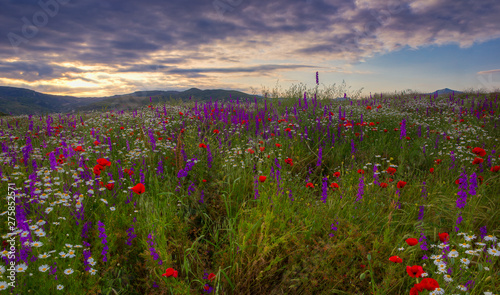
3	285
36	244
437	291
21	267
464	245
43	256
448	278
92	271
490	238
68	271
469	238
493	252
462	288
60	287
453	253
465	261
43	268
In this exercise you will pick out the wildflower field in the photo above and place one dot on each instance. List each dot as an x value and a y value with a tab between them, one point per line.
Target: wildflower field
300	195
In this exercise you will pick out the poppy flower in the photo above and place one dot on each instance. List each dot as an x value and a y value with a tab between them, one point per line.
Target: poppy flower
391	170
401	184
495	168
78	149
309	184
334	185
416	288
385	130
251	151
414	271
262	149
103	162
444	237
181	113
429	284
438	161
216	131
431	170
411	241
262	178
121	128
379	106
170	272
336	174
97	142
391	180
479	151
368	107
396	259
477	161
211	276
289	161
204	180
383	185
278	145
408	138
110	186
361	171
139	188
202	145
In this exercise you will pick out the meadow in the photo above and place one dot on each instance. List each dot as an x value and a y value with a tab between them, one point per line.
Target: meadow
388	194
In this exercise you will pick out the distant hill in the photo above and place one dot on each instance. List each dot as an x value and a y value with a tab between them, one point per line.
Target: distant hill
18	101
445	91
24	101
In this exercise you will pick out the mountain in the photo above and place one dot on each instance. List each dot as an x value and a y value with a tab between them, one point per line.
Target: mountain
24	101
445	91
17	101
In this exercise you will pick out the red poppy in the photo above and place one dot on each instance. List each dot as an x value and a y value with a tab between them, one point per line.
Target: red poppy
431	170
396	259
202	145
170	272
204	180
262	149
121	128
78	149
411	241
415	271
477	161
216	131
211	276
429	284
139	188
379	106
408	138
385	130
416	288
391	180
262	178
309	184
444	237
495	168
250	151
479	151
334	185
97	171
356	134
288	130
383	185
128	171
401	184
97	142
289	161
278	145
438	161
103	162
368	107
391	170
336	174
110	186
181	113
361	171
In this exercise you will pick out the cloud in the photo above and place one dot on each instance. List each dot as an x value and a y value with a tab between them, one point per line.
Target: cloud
489	72
197	42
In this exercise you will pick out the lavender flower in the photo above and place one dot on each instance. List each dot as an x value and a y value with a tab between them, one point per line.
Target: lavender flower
324	190
103	235
320	155
360	189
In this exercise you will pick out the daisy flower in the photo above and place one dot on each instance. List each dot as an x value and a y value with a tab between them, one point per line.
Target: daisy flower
448	278
43	268
490	238
465	261
36	244
464	245
43	256
3	285
462	288
2	268
493	252
453	253
469	238
437	291
92	271
21	267
60	287
68	271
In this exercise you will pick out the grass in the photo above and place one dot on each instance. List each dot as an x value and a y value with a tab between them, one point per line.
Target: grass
205	211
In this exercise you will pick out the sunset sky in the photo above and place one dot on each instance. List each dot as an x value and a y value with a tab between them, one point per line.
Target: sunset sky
100	48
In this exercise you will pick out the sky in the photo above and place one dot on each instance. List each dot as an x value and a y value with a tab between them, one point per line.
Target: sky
90	48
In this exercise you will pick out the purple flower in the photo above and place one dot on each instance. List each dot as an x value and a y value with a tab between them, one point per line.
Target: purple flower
360	189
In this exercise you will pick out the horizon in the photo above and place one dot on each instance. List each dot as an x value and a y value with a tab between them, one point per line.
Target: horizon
106	48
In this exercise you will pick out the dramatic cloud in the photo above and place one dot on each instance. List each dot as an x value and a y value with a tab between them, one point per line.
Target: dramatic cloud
116	45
